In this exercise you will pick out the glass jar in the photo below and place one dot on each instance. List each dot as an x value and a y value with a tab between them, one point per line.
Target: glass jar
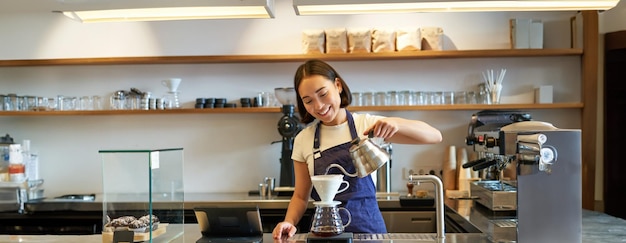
470	97
30	103
393	98
408	97
460	97
448	98
4	102
85	103
357	99
368	99
382	98
11	103
420	98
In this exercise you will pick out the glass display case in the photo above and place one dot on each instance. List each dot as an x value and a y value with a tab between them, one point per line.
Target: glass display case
143	195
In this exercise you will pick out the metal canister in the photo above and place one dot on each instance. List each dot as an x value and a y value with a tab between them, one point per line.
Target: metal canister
271	183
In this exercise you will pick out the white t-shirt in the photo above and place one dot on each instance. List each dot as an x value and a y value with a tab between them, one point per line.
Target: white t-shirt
330	136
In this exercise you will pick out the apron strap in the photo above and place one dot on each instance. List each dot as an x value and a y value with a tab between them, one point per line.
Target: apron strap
316	141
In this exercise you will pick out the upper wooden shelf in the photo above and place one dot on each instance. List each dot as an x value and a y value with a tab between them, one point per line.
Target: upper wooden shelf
277	109
292	57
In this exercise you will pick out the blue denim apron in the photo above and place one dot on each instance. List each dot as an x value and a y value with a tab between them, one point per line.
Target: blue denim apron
360	197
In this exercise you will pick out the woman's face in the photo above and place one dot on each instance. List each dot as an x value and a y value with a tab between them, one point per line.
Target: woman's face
321	98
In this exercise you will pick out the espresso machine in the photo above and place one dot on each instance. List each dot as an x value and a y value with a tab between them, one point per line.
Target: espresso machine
288	126
494	191
547	165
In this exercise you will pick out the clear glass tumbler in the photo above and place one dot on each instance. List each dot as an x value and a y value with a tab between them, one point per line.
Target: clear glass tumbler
394	98
368	99
85	103
460	97
409	97
357	99
382	98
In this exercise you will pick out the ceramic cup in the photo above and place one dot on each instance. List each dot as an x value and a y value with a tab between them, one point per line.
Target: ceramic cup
327	186
172	84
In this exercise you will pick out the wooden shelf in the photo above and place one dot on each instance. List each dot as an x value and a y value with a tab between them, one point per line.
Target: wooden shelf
277	109
293	57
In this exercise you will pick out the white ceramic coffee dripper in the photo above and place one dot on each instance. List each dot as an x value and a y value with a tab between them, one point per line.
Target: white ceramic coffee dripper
171	84
327	186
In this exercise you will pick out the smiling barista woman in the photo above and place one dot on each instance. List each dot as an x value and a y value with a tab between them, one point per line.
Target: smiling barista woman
322	97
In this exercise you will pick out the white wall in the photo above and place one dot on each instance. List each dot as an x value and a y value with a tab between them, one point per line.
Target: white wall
232	152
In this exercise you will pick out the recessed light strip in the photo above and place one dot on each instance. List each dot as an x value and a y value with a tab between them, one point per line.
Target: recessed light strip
313	7
154	13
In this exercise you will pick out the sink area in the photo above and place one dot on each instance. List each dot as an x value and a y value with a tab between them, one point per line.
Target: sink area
426	222
441	221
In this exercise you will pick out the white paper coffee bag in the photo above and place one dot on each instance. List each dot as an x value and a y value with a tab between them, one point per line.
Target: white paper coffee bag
313	41
383	40
336	40
359	40
408	39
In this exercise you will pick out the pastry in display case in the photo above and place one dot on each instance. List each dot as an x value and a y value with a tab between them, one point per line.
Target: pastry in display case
143	195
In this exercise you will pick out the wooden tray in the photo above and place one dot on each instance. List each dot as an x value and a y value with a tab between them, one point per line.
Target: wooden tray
107	237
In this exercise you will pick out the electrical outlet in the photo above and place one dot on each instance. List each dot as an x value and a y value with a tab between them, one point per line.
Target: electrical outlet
406	172
426	170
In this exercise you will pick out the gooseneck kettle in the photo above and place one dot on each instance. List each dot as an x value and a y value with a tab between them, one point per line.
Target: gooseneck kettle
366	155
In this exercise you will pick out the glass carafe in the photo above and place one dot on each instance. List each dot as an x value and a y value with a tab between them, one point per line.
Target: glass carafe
327	221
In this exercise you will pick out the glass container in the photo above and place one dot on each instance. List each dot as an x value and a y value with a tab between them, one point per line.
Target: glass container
143	193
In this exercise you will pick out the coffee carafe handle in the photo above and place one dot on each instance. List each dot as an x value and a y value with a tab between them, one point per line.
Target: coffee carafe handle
349	216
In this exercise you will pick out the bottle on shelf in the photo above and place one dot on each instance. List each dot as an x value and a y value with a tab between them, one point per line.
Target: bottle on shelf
16	163
31	161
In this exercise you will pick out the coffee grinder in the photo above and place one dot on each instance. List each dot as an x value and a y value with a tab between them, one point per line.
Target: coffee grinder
288	127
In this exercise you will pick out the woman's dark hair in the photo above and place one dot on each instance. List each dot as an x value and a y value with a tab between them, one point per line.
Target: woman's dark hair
318	67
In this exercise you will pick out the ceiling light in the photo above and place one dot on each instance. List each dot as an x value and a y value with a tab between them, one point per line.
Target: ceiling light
313	7
159	10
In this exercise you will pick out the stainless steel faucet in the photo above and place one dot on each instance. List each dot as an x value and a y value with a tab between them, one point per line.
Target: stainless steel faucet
439	209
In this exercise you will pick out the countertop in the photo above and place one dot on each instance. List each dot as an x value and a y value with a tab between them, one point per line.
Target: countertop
191	201
192	234
597	227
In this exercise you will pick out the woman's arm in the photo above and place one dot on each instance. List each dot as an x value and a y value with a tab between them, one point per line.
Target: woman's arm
301	193
298	203
405	131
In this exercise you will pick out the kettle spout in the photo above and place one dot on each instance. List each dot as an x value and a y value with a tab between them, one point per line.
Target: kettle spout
342	170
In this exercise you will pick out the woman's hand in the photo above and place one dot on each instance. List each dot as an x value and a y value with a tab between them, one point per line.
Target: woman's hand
384	128
284	229
404	131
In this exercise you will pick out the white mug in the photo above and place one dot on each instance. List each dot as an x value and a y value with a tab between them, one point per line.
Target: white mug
171	84
327	186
